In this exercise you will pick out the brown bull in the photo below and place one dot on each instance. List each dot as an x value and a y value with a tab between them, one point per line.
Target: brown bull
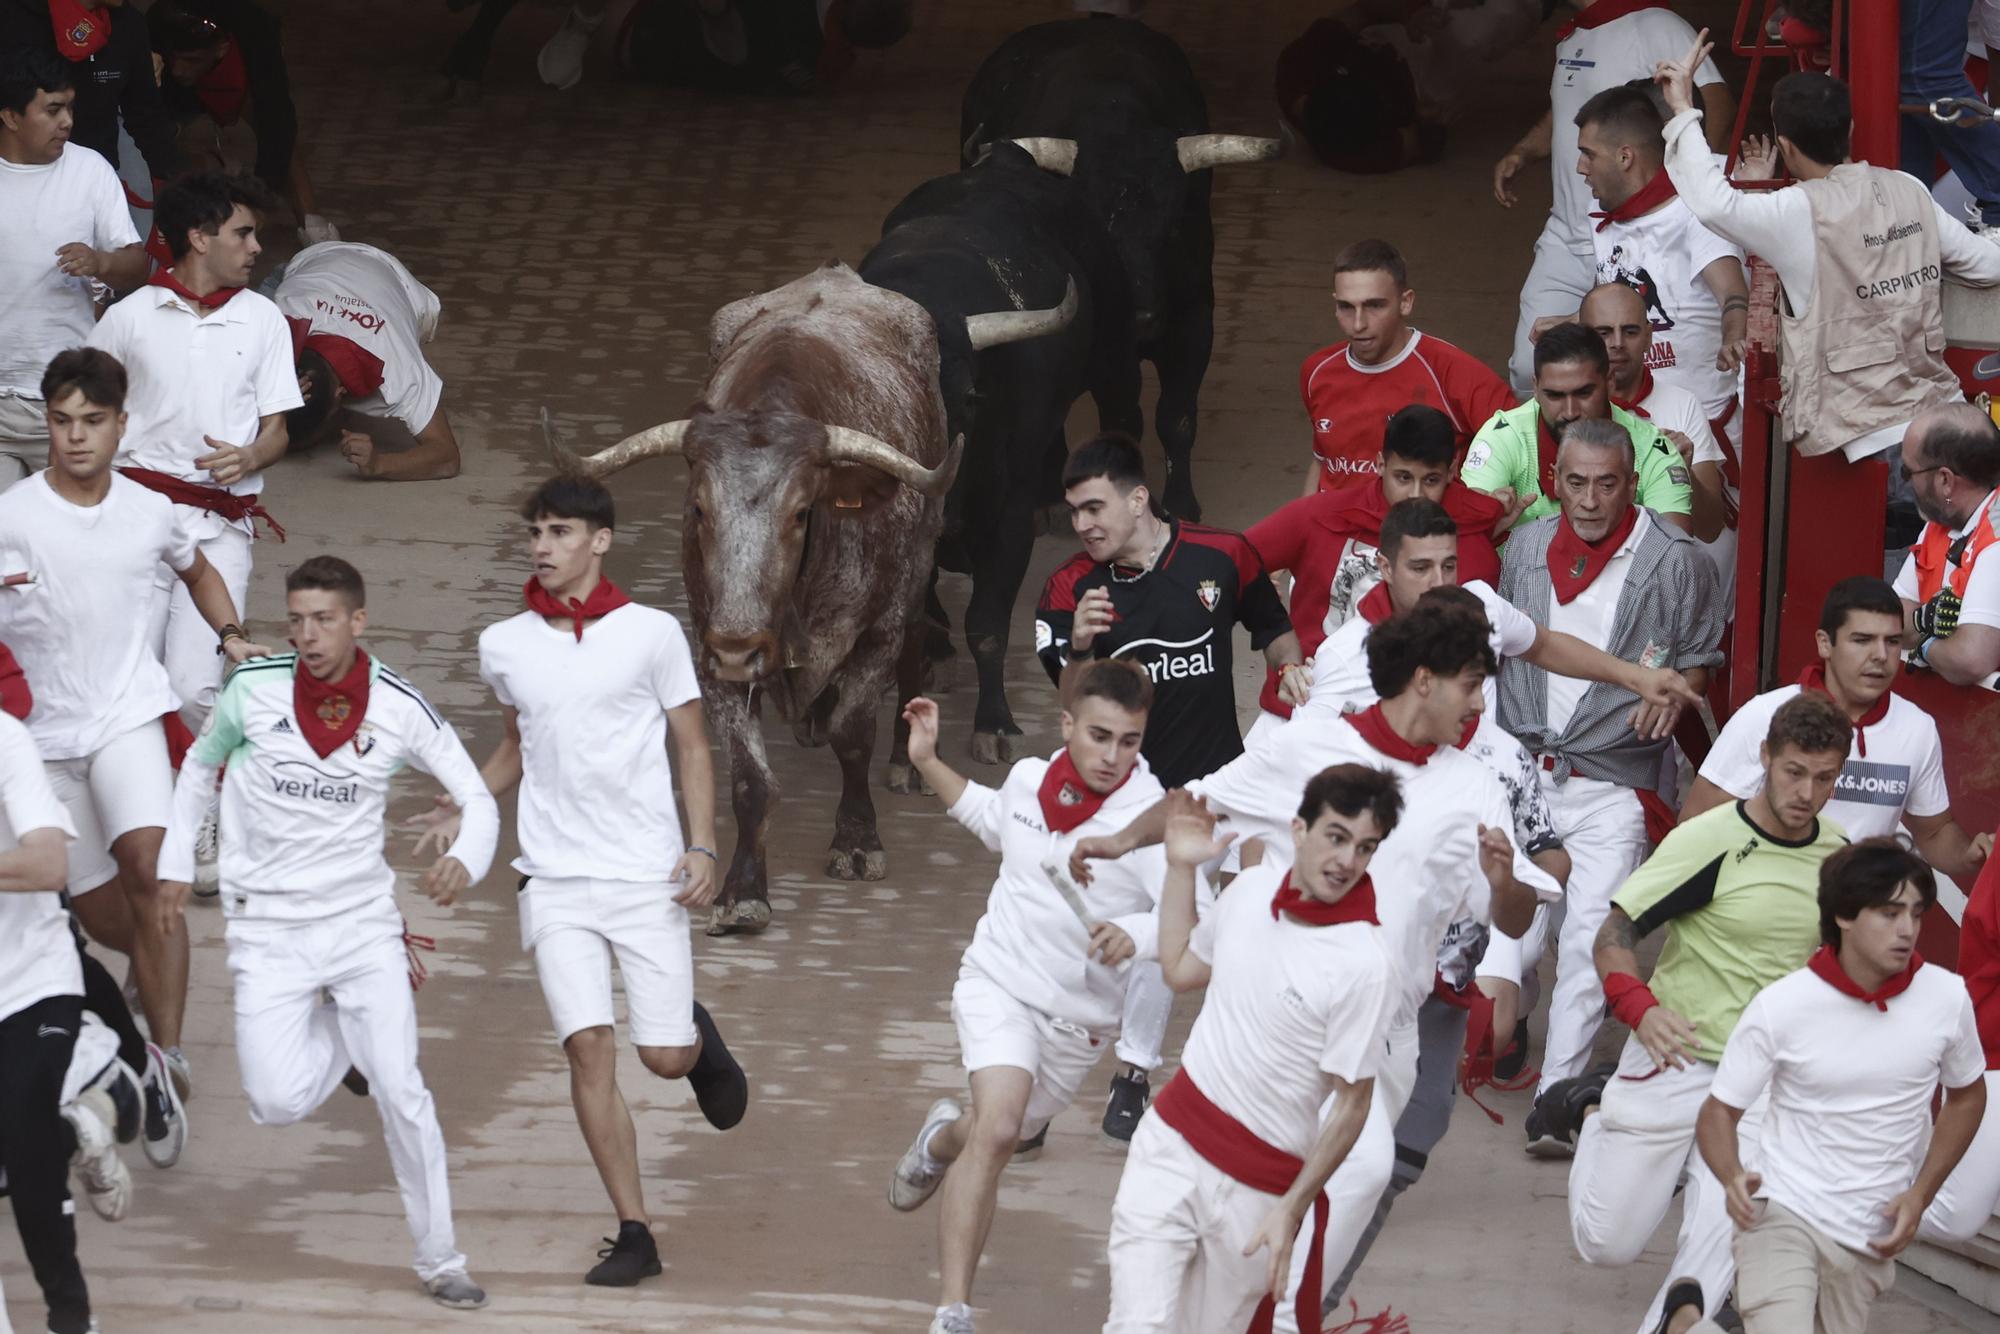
817	470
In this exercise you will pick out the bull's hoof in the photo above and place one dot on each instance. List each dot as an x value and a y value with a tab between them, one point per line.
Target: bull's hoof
857	864
905	780
745	917
995	747
809	731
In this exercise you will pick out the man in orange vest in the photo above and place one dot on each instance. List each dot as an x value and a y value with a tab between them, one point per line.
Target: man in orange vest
1951	600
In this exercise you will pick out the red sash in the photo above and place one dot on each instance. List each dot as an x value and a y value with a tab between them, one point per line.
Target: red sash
208	499
1232	1149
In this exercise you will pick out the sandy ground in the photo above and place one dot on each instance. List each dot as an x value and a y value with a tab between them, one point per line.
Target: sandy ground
579	243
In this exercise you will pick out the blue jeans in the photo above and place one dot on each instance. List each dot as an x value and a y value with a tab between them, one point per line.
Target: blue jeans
1933	66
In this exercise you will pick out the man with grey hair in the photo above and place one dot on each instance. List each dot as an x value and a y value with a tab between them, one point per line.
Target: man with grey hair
1615	575
1951	463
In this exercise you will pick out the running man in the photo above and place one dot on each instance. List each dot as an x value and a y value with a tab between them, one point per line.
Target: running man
1736	888
1301	989
324	997
1850	1050
591	685
1042	986
91	540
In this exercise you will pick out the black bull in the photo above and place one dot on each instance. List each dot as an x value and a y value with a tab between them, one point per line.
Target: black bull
817	470
1115	105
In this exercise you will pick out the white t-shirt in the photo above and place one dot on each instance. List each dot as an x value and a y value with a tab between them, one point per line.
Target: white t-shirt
1662	254
1590	616
42	209
366	296
1672	408
1850	1090
1426	872
194	373
597	790
37	956
1340	682
80	629
1902	769
1289	1008
1031	941
1589	61
1981	603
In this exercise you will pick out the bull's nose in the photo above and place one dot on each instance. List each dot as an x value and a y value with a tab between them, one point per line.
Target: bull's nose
741	657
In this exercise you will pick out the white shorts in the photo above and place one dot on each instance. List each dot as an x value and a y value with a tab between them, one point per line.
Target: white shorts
573	927
125	784
995	1029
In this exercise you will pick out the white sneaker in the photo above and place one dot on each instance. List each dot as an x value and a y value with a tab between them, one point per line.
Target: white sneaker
953	1319
166	1116
918	1174
207	851
98	1167
561	61
457	1291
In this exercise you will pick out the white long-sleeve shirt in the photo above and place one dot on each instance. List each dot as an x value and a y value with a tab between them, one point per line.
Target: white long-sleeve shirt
1777	225
1031	942
301	836
1426	873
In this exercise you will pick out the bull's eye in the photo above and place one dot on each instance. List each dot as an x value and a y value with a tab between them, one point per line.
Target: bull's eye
694	508
802	516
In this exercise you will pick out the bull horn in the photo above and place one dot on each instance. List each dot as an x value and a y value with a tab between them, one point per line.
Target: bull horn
1013	326
1056	155
650	443
1200	151
848	446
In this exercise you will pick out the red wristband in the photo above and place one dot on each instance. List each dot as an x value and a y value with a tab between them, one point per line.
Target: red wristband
1630	998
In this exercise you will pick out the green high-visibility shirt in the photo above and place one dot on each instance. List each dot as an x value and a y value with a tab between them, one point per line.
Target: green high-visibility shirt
1507	451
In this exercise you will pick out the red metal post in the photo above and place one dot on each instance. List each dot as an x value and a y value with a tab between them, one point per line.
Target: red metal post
1874	77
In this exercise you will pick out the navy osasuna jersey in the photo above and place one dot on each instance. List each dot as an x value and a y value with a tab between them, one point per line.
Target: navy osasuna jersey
1174	620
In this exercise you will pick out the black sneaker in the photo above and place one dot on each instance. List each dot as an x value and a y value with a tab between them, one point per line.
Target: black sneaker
623	1262
1560	1110
1510	1063
1129	1094
1030	1148
1544	1142
1681	1292
355	1082
721	1089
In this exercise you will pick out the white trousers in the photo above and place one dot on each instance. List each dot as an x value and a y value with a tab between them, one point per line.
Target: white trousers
1604	830
185	642
1149	1003
1356	1187
24	438
1178	1228
293	1047
1631	1156
1555	285
1970	1196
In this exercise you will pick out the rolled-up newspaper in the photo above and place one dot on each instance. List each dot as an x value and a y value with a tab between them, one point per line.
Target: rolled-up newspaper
1058	875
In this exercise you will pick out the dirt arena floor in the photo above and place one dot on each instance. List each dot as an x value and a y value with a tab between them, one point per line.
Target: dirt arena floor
579	242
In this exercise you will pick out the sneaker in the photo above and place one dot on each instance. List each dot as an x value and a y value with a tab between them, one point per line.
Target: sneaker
1681	1292
953	1319
99	1169
1127	1104
918	1175
92	1327
181	1072
1544	1142
561	62
1509	1063
1560	1110
355	1082
626	1260
207	878
1030	1148
721	1089
456	1290
166	1115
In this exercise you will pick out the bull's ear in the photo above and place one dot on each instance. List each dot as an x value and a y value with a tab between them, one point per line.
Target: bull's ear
854	489
729	322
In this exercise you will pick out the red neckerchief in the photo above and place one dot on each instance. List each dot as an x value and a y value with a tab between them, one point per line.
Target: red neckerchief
1546	446
358	370
1356	905
1375	606
1574	564
226	87
1375	730
1067	801
604	599
81	31
1826	963
1643	201
1601	12
1636	404
215	300
1814	678
330	712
